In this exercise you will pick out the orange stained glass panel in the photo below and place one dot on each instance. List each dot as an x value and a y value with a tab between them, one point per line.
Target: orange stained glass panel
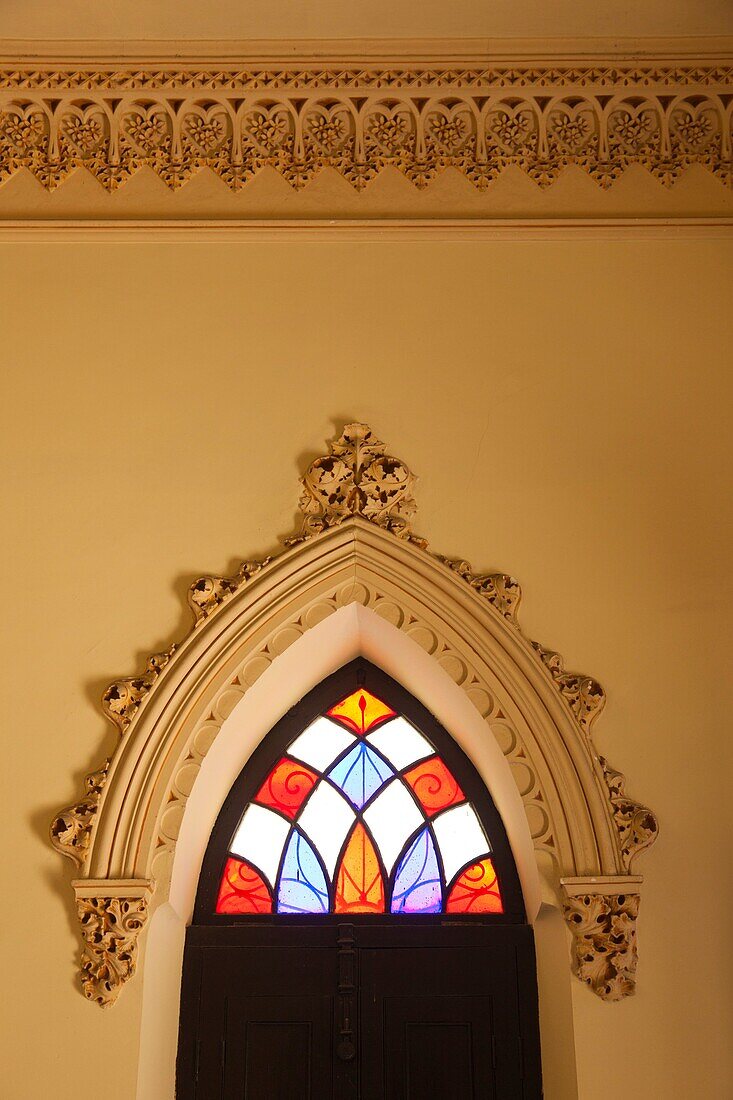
434	786
359	884
360	711
286	787
476	890
242	890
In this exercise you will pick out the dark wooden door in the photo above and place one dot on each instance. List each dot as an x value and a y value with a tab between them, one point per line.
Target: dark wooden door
359	1012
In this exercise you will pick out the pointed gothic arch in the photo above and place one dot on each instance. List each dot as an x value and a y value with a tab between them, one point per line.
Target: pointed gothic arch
357	550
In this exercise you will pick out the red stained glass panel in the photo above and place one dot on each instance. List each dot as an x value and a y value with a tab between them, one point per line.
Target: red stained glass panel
359	884
242	890
476	890
286	787
361	711
434	786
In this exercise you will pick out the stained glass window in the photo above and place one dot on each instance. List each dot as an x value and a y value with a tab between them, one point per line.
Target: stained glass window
360	815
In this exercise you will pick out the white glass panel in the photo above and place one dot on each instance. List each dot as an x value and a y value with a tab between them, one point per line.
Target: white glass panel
461	838
392	817
326	819
321	743
259	839
400	743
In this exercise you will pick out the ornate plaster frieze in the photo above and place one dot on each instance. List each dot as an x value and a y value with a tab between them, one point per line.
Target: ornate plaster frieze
110	923
603	926
420	118
355	489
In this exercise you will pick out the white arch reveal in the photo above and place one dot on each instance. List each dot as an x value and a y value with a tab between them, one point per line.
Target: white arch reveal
356	581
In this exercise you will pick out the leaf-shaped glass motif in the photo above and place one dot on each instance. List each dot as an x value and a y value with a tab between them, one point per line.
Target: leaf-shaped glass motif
360	774
360	711
359	883
303	887
417	885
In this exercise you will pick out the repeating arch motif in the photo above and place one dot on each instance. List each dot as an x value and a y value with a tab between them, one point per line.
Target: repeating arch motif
357	546
540	119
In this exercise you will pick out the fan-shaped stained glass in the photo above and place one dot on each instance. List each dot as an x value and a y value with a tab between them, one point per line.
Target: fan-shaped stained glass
359	815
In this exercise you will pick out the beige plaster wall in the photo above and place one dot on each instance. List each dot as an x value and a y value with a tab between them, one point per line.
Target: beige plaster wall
567	406
229	19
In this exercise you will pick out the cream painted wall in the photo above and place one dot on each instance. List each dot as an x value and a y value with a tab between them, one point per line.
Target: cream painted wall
231	19
566	404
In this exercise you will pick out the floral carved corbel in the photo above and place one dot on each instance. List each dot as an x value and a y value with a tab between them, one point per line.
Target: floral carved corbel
111	917
604	941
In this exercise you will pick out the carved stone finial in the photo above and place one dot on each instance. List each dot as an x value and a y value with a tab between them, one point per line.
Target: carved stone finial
358	478
637	825
72	827
110	926
604	942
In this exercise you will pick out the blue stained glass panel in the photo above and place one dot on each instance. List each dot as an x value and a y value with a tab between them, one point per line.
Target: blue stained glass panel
303	887
417	885
360	774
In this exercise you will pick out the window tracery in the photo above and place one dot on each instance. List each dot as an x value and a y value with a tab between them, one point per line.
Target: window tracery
360	815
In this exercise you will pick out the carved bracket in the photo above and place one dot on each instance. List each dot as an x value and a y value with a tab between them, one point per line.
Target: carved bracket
111	915
603	924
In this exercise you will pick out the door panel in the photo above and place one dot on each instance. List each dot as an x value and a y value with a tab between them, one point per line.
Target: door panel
265	1025
437	1048
446	1015
359	1012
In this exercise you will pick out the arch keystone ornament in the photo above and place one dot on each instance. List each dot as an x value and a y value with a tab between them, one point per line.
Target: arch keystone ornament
357	546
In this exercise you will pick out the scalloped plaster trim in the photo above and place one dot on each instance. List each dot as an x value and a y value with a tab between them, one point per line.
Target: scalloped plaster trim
359	116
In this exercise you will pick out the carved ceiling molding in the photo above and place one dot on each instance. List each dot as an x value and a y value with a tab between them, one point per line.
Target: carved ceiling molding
362	116
356	545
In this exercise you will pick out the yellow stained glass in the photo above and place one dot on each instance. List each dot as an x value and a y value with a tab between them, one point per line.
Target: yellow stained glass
359	884
361	711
